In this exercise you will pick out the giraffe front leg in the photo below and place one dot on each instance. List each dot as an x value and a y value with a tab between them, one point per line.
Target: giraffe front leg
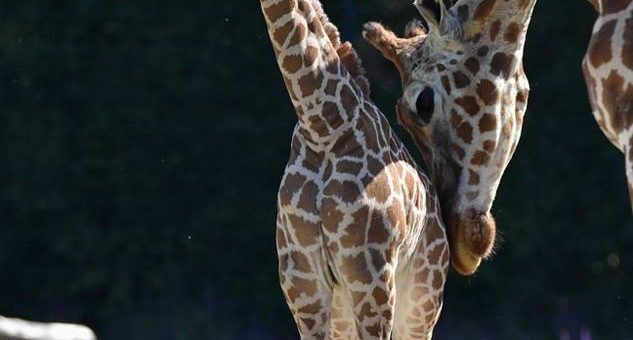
373	307
342	325
308	297
421	287
301	276
368	282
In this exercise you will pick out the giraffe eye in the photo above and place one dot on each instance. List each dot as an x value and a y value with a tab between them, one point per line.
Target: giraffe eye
425	105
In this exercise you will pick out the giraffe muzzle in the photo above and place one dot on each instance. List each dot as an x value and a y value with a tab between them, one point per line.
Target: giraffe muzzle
473	238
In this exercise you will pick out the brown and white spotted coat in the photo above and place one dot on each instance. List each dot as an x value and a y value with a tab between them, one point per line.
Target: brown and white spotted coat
464	97
362	249
608	69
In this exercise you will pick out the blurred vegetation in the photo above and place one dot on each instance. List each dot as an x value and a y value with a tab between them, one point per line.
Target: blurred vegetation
142	145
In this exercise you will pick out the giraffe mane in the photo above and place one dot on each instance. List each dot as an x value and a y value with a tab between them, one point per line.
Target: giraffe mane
345	50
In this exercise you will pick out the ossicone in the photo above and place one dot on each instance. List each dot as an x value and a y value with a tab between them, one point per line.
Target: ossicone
440	18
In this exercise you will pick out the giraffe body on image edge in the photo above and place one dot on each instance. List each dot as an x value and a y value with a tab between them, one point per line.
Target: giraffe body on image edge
464	98
361	244
608	70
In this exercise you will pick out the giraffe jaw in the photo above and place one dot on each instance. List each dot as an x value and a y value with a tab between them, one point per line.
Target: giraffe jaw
473	238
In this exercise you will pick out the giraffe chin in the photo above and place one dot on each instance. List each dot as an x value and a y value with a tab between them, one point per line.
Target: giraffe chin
472	241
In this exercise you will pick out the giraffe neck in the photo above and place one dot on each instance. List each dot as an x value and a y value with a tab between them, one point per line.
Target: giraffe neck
611	6
324	94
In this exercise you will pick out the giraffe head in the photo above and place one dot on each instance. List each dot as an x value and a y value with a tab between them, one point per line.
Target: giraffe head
464	96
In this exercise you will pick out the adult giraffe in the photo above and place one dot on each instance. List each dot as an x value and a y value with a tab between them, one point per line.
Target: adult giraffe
608	70
362	249
465	95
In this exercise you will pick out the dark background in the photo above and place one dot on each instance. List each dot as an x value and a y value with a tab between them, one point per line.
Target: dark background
142	146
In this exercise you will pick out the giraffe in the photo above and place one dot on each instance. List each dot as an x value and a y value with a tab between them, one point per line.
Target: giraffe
464	98
608	71
361	244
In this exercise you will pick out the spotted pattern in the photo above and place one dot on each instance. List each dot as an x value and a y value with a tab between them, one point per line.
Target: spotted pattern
472	60
608	70
362	249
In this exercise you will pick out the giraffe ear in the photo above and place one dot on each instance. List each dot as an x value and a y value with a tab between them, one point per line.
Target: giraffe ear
439	17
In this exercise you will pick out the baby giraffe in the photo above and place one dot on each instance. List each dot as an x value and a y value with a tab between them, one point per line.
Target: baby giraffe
361	244
608	69
465	94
